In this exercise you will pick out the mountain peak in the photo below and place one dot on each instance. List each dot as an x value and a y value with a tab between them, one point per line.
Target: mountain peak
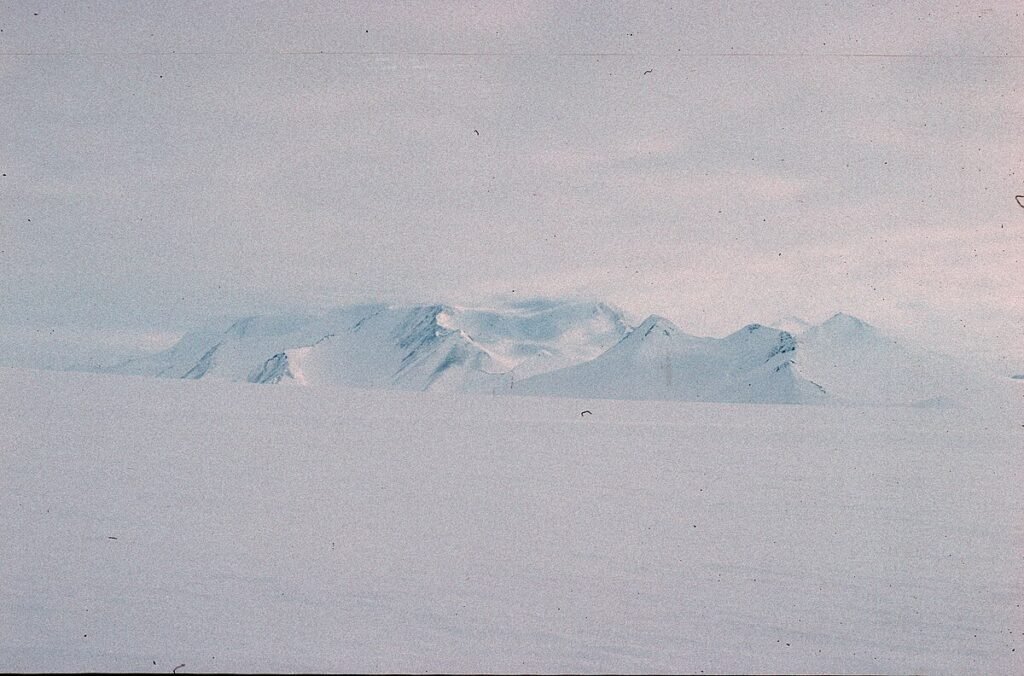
842	319
656	324
843	324
845	329
756	331
761	339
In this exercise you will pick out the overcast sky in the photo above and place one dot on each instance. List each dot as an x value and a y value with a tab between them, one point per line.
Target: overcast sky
717	163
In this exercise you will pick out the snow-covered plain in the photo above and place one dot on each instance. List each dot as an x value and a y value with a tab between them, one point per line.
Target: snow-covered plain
224	526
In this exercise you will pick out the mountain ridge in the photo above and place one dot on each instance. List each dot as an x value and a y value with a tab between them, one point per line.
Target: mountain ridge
659	361
564	348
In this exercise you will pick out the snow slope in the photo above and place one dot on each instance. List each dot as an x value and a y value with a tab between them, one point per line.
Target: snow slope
658	361
406	347
228	527
855	361
843	360
541	335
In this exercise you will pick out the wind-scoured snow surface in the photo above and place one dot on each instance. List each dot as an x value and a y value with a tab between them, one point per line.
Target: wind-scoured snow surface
153	523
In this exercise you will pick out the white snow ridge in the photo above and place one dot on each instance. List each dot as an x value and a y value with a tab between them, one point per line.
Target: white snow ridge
658	361
419	347
569	349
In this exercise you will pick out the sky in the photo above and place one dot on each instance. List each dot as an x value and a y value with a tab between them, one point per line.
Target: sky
717	163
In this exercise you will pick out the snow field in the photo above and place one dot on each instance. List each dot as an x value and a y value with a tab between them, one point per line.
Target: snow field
262	528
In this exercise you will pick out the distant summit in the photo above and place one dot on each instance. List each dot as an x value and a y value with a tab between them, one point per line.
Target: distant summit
657	325
843	324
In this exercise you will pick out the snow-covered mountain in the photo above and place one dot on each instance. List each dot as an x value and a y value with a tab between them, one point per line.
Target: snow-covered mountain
415	347
856	362
658	361
568	349
843	360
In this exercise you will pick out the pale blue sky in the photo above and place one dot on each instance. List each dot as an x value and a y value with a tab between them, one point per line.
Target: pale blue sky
170	162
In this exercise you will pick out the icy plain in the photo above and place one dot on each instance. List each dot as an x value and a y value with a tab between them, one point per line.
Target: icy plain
150	524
